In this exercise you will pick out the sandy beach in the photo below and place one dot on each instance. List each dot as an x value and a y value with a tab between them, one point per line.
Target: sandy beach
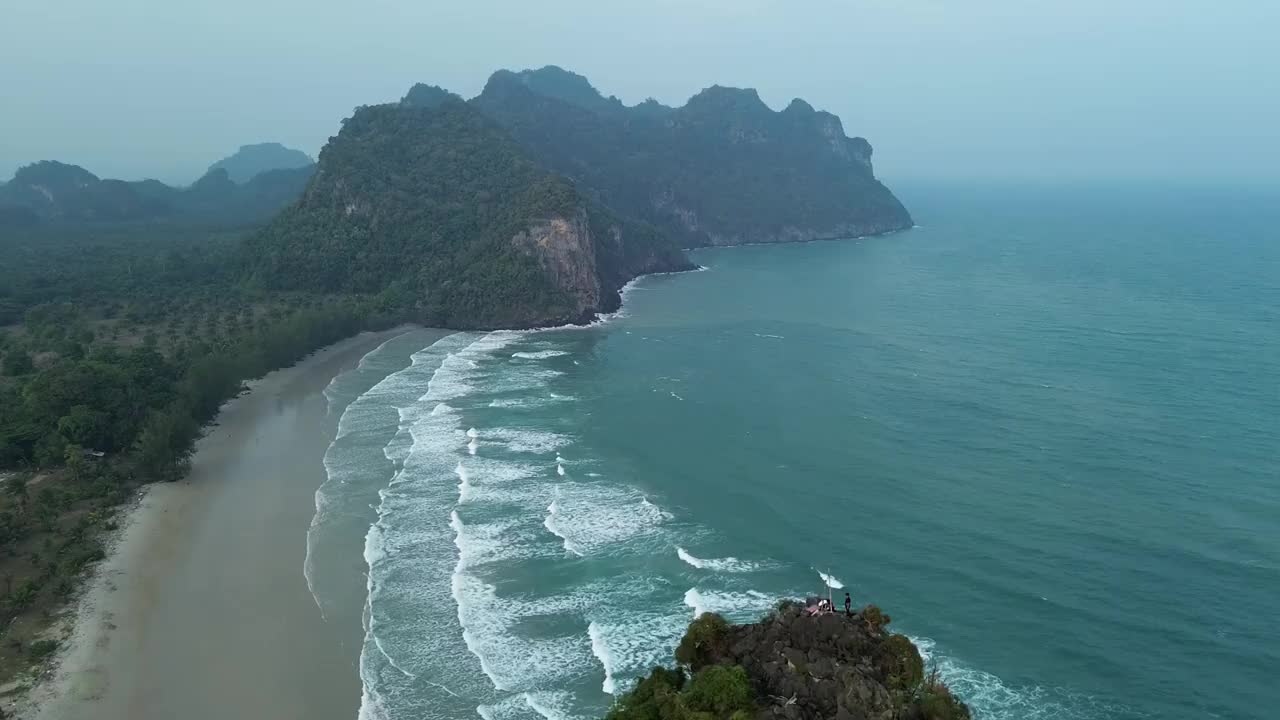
202	610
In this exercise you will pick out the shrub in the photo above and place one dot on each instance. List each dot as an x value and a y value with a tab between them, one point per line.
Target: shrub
720	689
41	649
934	701
703	642
905	668
875	618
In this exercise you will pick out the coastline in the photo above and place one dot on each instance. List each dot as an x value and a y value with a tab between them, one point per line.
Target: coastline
201	602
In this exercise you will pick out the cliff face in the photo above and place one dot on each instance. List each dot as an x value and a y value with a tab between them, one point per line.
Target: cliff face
723	169
566	252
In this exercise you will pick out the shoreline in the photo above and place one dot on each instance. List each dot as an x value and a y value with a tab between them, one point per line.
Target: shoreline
201	602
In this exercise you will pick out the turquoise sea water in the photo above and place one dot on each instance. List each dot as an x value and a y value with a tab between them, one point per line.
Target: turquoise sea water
1040	430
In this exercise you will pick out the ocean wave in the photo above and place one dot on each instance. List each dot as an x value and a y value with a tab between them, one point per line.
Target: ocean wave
591	517
600	649
726	564
990	697
539	354
831	580
540	442
741	606
553	524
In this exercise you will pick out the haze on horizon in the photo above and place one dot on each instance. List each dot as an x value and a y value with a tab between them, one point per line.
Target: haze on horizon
1173	89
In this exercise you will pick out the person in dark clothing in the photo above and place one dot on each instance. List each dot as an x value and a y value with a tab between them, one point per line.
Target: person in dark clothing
848	605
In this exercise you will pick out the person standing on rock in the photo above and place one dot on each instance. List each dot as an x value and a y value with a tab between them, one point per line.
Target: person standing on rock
848	605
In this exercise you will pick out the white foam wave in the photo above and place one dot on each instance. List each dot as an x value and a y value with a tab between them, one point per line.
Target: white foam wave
560	469
539	354
747	605
989	697
600	649
464	483
529	441
726	564
553	523
592	517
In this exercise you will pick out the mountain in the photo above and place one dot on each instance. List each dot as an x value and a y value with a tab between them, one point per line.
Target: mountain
435	206
51	191
724	169
793	666
250	160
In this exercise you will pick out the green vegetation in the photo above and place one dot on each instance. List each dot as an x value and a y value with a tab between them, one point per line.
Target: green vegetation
118	342
722	169
717	692
421	203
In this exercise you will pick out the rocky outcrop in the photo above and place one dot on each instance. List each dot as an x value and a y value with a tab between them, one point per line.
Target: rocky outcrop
564	249
829	666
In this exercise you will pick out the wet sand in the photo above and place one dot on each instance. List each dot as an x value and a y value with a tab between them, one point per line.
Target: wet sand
201	610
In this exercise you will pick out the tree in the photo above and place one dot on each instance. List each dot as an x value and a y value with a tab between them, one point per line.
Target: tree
18	362
85	427
704	641
16	488
164	445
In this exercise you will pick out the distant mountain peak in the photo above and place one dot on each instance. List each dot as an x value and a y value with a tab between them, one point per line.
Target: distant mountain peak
423	95
555	82
722	98
256	158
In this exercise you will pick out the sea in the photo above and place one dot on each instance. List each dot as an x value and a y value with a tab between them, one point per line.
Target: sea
1041	430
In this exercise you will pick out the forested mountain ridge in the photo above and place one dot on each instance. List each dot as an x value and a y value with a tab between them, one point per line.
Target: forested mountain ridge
51	192
434	206
723	169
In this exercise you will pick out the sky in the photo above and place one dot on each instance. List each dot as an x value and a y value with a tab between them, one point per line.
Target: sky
976	89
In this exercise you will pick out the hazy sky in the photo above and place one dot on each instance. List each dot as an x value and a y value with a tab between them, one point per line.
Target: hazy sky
1019	88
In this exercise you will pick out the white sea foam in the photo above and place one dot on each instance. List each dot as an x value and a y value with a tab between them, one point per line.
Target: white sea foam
726	564
554	524
464	483
539	354
600	649
592	517
831	580
747	605
528	441
560	470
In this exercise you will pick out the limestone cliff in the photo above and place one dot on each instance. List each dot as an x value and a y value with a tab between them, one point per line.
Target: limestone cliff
565	250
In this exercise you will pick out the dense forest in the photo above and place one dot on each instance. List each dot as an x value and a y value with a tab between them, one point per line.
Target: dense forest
421	201
723	169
